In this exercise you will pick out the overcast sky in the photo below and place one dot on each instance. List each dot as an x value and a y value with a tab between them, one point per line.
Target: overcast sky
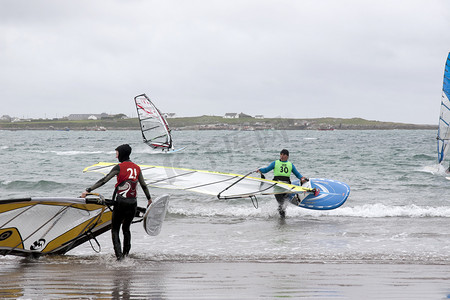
378	60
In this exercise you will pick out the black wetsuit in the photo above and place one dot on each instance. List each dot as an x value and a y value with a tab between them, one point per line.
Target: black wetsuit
281	197
125	202
123	214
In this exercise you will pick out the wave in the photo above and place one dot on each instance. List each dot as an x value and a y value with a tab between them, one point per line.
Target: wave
70	152
436	169
74	152
268	211
141	255
42	185
423	157
384	211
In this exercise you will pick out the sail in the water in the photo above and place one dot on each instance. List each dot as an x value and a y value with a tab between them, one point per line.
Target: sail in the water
222	185
154	127
443	135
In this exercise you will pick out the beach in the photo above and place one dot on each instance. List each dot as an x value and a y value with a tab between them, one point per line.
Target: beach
134	278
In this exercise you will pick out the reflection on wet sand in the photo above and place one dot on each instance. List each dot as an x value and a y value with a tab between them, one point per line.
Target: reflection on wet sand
102	277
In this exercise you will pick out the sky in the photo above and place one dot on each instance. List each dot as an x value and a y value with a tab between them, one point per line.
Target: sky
378	60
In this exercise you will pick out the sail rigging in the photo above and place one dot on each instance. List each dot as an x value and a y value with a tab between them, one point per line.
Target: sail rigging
54	225
222	185
154	127
443	135
49	225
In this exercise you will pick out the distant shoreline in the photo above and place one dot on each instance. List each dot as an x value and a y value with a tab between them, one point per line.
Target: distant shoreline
216	123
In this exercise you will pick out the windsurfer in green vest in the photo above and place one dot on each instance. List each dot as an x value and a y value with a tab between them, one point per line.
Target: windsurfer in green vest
282	170
128	176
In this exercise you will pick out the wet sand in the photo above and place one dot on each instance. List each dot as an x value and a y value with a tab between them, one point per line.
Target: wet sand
101	277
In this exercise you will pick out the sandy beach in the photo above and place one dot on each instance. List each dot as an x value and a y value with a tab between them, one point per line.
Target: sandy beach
101	277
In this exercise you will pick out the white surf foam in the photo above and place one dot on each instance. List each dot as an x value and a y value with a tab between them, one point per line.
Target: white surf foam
377	210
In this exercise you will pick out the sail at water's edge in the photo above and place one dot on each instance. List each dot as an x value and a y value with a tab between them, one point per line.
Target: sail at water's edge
222	185
49	225
443	136
154	127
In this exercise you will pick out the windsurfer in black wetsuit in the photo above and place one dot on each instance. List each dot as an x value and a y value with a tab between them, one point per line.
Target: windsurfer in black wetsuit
125	205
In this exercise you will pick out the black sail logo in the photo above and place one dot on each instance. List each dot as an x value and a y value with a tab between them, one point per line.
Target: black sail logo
5	235
37	245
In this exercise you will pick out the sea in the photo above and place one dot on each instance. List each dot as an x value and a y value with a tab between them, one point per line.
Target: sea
389	240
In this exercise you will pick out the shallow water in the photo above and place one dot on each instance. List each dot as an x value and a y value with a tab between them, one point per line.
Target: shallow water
391	236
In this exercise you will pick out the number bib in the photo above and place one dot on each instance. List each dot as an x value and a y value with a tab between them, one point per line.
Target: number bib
282	168
127	179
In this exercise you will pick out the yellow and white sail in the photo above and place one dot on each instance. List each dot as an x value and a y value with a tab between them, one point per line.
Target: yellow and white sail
222	185
35	226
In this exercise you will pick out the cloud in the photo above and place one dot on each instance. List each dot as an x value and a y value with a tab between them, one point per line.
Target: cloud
379	60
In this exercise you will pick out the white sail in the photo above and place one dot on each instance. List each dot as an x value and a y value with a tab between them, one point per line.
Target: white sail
443	135
222	185
154	127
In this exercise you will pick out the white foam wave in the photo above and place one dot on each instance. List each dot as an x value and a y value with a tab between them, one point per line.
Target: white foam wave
68	152
237	212
364	211
437	169
74	152
382	211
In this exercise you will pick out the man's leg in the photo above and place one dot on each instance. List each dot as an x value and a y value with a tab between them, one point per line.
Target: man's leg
130	212
116	222
281	205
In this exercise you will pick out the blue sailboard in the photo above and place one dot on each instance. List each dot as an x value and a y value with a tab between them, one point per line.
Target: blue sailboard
332	194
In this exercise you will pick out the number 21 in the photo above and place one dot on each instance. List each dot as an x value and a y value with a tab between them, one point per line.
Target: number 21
133	173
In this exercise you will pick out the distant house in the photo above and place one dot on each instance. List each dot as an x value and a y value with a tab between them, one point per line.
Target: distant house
79	117
6	118
242	115
231	116
259	117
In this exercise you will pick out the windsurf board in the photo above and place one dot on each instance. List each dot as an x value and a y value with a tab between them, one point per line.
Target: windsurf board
155	215
332	194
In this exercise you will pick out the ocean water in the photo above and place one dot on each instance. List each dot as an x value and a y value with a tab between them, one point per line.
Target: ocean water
397	213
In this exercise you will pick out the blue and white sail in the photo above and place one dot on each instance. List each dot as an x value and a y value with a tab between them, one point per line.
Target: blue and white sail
443	135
